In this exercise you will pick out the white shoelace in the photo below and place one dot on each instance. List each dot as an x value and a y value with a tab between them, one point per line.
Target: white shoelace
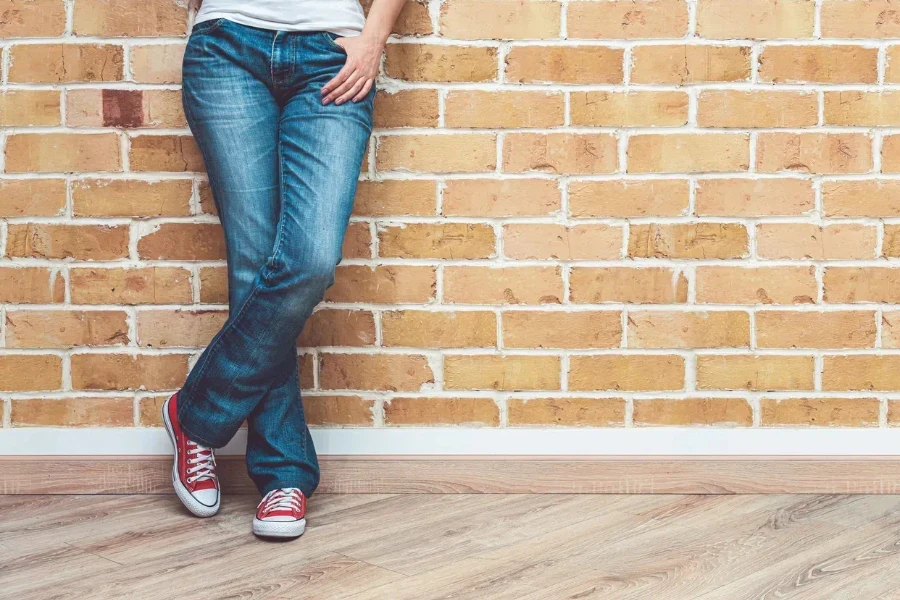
203	461
282	499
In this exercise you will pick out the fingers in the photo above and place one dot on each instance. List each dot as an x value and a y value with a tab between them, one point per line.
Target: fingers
365	90
329	90
351	93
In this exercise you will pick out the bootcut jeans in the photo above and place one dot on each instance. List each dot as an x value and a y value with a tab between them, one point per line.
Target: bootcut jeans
283	170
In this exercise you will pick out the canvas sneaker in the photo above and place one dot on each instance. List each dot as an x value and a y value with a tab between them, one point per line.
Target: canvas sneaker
194	470
281	513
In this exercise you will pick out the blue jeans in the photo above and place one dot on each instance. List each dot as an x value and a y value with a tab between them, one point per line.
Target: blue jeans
283	170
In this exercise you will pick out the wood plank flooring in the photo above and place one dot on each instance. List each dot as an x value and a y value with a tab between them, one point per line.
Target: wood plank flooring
459	547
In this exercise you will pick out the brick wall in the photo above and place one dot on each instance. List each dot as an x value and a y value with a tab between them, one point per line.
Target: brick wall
583	212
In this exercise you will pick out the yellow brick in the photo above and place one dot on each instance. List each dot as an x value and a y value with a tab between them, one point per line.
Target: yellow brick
406	108
822	412
759	19
561	153
495	372
64	63
754	197
65	328
564	64
546	241
30	372
818	64
689	63
862	284
764	285
431	329
688	153
32	18
178	328
556	329
32	197
737	108
500	19
338	327
72	412
681	329
807	241
441	411
383	284
383	372
648	285
688	240
512	285
139	285
500	198
629	109
757	373
693	411
638	19
484	109
157	63
807	329
862	108
567	412
457	153
431	62
23	108
619	199
62	152
446	240
111	18
814	152
861	372
338	410
395	197
80	242
626	372
860	19
35	285
131	198
127	372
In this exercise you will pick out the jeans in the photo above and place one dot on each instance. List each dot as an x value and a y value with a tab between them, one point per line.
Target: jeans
283	170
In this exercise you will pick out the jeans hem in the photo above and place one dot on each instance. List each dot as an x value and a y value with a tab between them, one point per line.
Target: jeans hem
189	432
308	490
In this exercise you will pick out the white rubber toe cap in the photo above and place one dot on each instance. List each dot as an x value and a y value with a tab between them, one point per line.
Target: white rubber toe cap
206	497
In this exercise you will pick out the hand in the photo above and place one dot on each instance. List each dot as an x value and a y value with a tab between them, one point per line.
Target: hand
358	75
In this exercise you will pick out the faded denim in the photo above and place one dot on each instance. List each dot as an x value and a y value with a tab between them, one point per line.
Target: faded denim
283	170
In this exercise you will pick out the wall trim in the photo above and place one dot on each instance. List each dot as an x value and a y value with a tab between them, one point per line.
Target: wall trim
468	460
459	441
484	474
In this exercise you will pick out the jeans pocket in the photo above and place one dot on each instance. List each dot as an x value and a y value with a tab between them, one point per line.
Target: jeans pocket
330	37
207	26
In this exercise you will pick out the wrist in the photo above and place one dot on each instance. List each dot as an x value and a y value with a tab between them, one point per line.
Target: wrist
376	35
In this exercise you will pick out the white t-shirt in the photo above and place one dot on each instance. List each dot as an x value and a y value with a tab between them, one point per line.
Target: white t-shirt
341	17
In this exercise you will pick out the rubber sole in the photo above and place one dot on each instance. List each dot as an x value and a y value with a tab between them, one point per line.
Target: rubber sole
279	529
198	509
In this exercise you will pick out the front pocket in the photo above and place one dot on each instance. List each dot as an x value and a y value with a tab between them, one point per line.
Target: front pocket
207	26
331	37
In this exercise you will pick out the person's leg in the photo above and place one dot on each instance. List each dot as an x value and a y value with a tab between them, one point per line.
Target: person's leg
234	116
321	150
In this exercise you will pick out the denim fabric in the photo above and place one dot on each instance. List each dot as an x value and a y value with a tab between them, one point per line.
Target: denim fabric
283	170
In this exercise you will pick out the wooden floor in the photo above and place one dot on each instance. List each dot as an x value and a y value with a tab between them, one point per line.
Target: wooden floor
432	546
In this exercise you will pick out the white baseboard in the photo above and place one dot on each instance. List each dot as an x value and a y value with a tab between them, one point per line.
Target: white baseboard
444	441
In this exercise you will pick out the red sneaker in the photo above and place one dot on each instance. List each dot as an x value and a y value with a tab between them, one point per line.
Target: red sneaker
281	513
194	470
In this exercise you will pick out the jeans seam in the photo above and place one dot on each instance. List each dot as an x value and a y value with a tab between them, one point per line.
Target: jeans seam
230	324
